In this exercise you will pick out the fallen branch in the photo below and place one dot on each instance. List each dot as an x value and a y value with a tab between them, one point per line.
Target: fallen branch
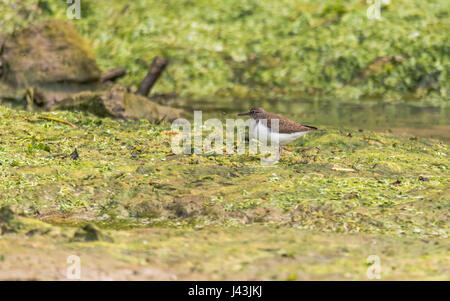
113	74
58	120
2	43
157	67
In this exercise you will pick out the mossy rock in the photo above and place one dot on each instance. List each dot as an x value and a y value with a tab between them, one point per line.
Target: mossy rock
52	67
46	62
47	53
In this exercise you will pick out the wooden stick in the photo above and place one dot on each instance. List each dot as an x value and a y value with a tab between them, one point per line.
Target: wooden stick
58	120
157	67
2	44
113	74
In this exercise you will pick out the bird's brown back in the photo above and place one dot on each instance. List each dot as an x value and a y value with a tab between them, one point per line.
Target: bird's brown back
287	126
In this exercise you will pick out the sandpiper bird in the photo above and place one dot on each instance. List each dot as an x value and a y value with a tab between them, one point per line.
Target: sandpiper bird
288	130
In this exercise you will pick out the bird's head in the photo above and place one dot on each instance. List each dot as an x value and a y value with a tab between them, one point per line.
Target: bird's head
255	113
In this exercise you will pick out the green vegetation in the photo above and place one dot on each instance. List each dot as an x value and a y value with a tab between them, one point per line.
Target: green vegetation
335	198
113	193
259	48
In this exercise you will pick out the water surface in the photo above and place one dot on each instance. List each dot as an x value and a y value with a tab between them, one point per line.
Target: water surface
410	118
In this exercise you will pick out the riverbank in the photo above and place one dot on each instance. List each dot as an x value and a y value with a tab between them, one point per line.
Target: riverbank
256	49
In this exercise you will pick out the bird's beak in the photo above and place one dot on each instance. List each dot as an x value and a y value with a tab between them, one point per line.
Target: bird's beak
244	114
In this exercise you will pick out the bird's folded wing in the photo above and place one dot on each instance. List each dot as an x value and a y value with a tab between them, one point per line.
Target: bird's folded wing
288	126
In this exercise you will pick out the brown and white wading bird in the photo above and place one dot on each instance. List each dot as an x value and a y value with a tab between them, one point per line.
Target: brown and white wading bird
288	130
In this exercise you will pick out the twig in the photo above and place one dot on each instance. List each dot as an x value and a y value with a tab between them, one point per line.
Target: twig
2	44
157	67
58	120
113	74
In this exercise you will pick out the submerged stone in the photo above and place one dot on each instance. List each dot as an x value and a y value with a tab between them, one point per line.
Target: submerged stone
6	214
90	232
6	220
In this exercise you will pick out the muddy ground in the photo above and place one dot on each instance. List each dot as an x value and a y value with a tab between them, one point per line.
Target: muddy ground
131	209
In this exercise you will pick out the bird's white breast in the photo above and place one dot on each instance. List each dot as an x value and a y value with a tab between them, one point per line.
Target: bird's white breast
262	131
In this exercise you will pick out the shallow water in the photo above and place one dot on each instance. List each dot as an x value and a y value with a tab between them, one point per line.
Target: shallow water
401	118
406	118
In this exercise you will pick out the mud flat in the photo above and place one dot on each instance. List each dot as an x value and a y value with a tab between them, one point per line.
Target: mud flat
131	209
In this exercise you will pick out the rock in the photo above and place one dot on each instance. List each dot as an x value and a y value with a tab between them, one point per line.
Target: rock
46	56
90	232
6	220
6	215
119	103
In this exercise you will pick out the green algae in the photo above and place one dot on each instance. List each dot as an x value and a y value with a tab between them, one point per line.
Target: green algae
254	49
223	216
335	198
251	252
342	180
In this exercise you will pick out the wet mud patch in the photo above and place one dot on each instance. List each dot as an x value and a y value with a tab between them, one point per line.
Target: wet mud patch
193	206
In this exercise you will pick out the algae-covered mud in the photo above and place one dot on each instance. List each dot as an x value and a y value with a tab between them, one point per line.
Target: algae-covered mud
131	209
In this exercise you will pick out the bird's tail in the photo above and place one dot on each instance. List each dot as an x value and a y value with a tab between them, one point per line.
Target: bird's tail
311	128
